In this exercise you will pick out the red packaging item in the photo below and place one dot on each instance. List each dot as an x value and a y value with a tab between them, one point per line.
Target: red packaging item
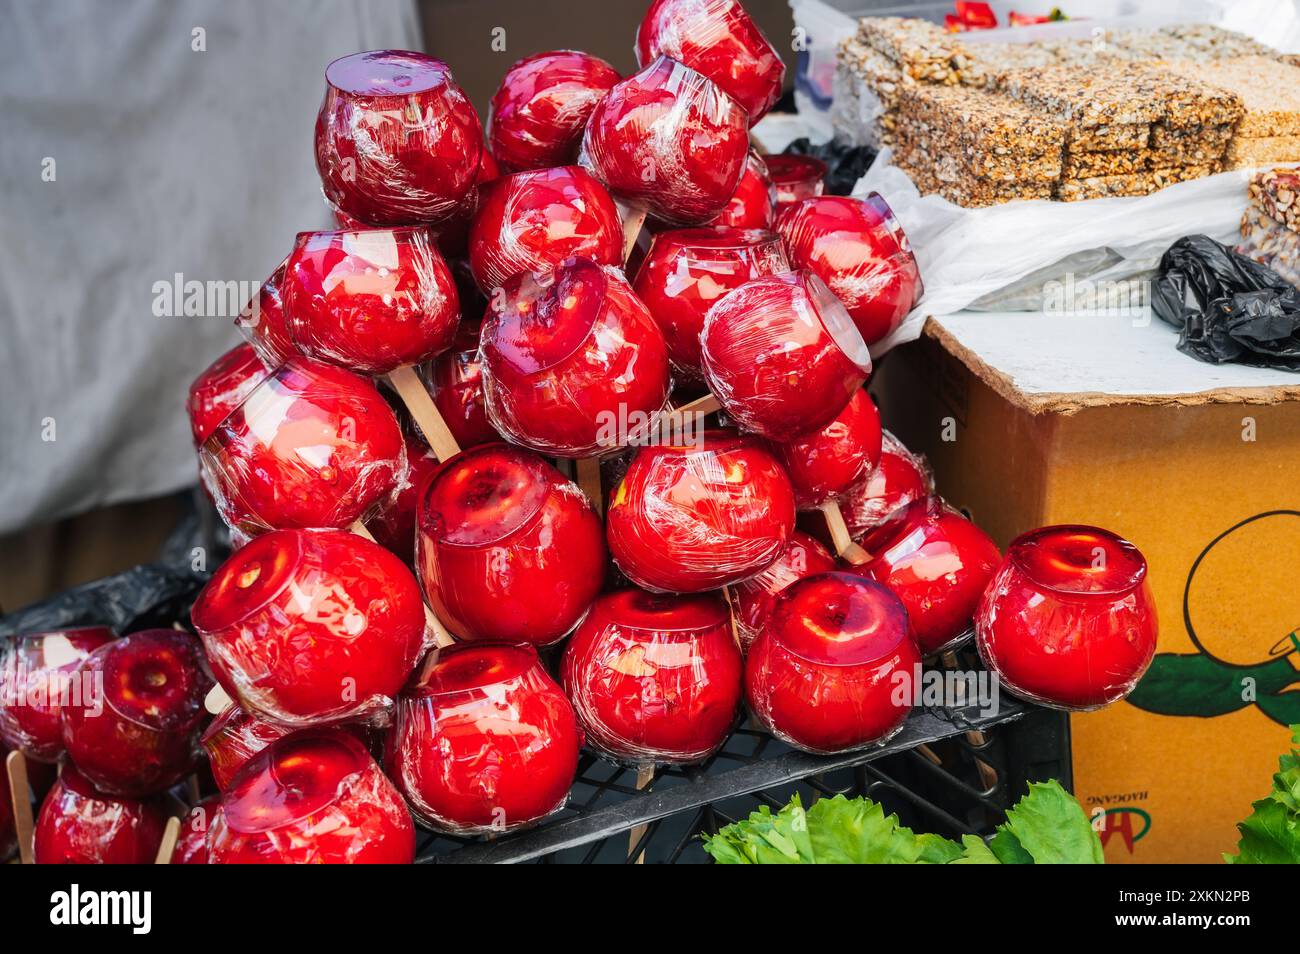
668	140
540	109
860	251
532	221
687	270
826	672
311	446
455	379
485	740
393	527
899	478
78	825
828	462
304	627
753	204
397	142
507	547
313	797
751	600
222	388
693	517
782	355
1068	620
717	38
234	737
262	321
572	360
654	677
795	178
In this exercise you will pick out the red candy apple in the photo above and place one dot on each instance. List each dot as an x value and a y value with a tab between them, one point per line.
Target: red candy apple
1068	620
455	379
860	251
753	204
833	668
541	107
782	355
222	388
192	842
687	270
717	38
899	478
654	677
262	321
138	733
484	741
507	547
532	221
312	446
234	737
79	825
38	676
670	141
827	462
393	527
795	178
938	563
311	626
699	516
752	599
397	142
313	797
572	360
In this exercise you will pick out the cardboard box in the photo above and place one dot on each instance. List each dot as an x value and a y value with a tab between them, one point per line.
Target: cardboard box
1031	420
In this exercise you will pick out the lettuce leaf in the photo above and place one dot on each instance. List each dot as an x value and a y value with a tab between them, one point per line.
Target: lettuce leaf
1270	835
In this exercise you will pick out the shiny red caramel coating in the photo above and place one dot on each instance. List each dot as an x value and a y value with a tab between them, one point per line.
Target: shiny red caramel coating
751	600
313	797
393	527
687	270
572	360
824	675
372	300
38	674
795	178
312	446
262	321
309	626
753	204
717	38
485	741
899	478
1068	620
532	221
192	842
862	254
540	109
654	677
234	737
139	734
781	354
507	547
455	379
696	517
670	141
222	388
397	142
78	825
453	232
827	462
938	563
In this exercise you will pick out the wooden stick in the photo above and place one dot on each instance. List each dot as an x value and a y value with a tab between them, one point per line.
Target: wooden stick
21	795
988	775
589	481
844	545
440	634
732	603
217	700
645	774
633	219
411	390
168	846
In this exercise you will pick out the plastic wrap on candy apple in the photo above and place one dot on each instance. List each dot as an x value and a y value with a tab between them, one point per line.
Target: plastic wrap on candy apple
485	741
222	387
857	247
832	670
508	548
371	300
654	677
455	379
262	321
751	600
313	797
234	737
692	517
136	733
38	674
938	563
753	204
397	141
795	178
668	140
782	355
304	627
79	825
687	270
826	463
311	446
539	111
192	841
717	38
899	478
532	221
393	527
1068	620
573	363
453	233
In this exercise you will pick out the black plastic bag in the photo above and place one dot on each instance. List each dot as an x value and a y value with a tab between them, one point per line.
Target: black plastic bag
845	164
1227	308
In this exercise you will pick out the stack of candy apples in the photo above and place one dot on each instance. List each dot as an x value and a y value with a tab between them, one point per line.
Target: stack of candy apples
497	496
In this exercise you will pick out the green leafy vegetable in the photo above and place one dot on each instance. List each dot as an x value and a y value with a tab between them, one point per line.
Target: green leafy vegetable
1271	834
